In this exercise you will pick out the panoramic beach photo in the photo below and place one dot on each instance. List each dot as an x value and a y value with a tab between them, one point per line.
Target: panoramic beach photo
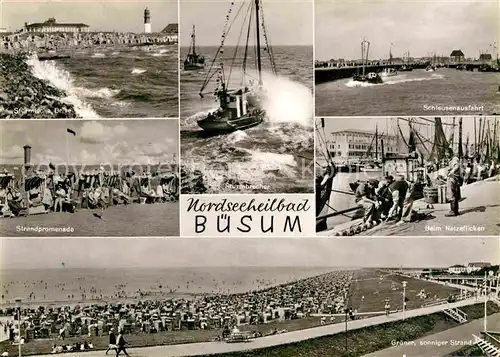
291	297
89	59
407	57
408	176
246	96
89	178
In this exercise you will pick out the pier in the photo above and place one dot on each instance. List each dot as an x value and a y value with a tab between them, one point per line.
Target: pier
328	74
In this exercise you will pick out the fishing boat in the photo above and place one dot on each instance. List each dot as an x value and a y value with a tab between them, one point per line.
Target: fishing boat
371	77
406	67
193	60
389	72
239	108
430	68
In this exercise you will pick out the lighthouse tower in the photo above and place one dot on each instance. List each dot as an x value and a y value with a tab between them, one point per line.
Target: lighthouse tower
147	21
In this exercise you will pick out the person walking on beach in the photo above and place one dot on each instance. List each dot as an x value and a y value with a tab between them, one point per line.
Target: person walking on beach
112	341
453	184
121	344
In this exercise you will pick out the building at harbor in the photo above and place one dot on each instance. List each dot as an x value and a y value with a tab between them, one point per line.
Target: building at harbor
51	25
172	32
355	144
457	56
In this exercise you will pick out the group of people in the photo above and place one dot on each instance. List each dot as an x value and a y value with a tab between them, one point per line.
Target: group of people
392	197
64	193
388	199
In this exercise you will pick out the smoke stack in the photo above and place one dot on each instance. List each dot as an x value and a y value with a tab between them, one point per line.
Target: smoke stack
27	156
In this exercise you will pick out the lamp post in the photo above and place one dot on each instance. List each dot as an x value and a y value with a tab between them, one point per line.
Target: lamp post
18	308
404	298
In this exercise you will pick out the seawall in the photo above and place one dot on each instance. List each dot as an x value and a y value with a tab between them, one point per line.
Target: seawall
67	41
24	96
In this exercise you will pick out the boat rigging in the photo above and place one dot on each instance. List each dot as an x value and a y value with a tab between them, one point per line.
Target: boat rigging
239	108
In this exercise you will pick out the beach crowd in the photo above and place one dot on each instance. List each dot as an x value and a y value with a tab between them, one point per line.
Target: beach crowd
95	189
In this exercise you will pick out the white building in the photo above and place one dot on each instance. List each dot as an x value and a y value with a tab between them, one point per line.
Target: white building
457	269
353	144
51	25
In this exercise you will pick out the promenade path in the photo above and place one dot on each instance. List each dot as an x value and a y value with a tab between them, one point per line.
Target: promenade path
439	344
196	349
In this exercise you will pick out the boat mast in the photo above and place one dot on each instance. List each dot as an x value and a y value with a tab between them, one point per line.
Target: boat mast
193	41
257	33
460	149
376	142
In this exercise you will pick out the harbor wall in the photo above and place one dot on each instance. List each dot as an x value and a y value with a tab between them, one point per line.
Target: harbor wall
18	42
327	74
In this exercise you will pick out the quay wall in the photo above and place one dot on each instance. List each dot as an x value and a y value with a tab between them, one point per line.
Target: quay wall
19	42
327	74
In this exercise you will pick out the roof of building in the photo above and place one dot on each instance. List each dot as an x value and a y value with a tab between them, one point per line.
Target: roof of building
457	53
53	23
457	266
171	28
485	56
360	131
479	265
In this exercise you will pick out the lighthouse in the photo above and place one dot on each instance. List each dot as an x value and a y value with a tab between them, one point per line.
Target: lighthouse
147	21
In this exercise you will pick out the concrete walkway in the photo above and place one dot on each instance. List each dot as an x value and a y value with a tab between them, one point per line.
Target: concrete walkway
439	344
196	349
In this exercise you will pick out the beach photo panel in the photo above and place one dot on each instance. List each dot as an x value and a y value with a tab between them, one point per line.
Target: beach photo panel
293	297
87	178
89	59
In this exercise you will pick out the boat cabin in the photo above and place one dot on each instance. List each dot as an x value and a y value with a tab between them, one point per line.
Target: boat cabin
236	102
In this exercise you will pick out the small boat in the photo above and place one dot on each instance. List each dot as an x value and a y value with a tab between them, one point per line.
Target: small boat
406	68
239	109
371	77
430	68
193	60
389	72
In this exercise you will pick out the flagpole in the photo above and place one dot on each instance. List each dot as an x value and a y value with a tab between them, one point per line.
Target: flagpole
67	152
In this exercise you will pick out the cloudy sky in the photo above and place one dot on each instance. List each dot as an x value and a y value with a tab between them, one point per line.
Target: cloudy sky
268	252
101	15
287	23
390	125
423	27
96	142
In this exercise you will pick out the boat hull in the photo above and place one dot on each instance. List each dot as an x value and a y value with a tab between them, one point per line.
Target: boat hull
366	79
193	66
217	124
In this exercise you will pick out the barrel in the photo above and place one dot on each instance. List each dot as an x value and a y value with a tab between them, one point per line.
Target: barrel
431	195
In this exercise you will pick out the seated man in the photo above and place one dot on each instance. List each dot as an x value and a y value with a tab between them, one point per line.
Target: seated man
14	201
60	198
399	189
364	198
